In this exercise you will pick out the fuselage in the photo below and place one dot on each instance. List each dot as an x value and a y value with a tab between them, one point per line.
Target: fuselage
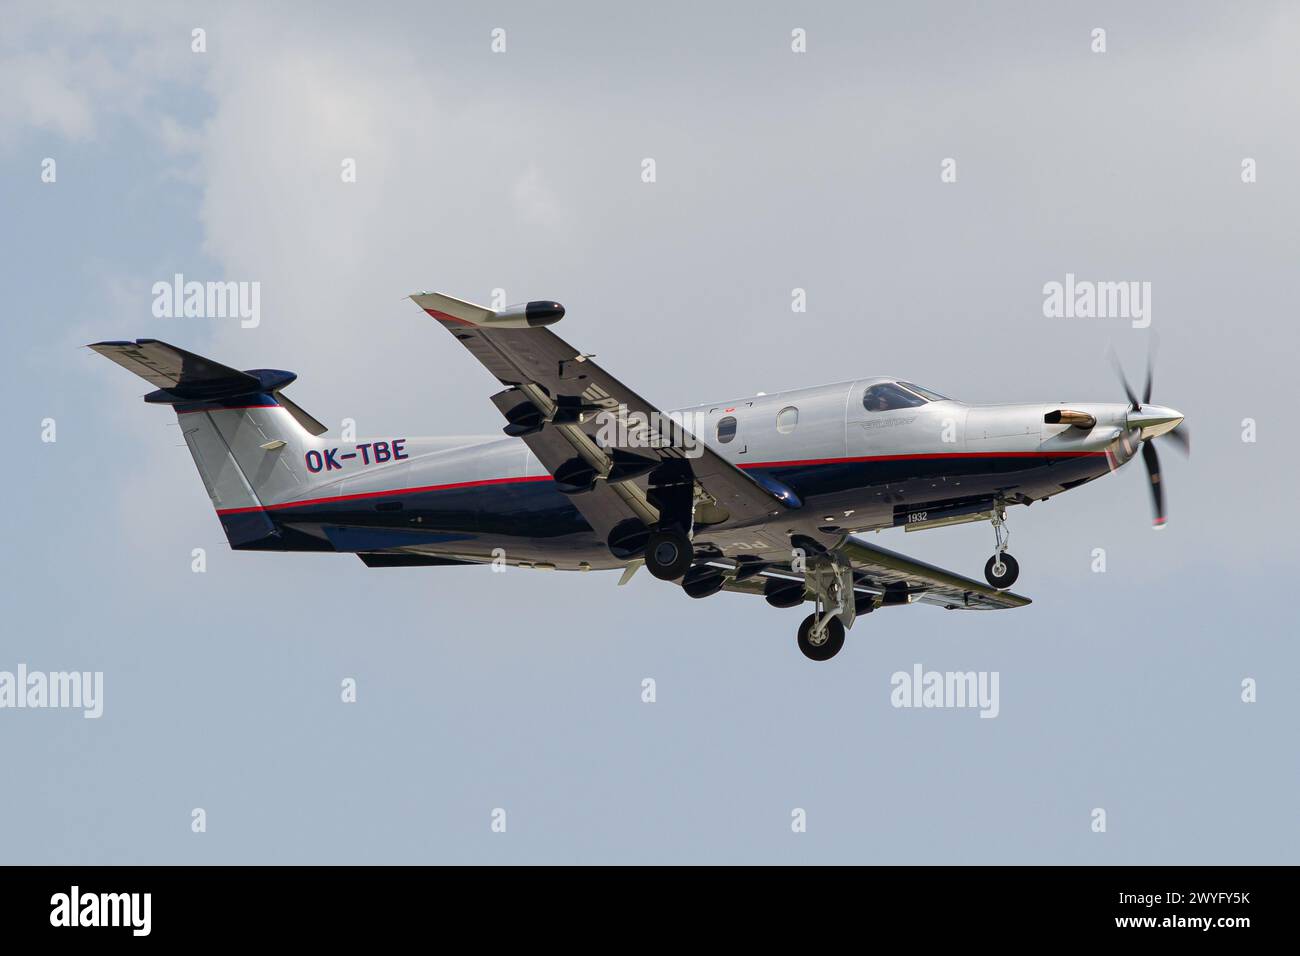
863	455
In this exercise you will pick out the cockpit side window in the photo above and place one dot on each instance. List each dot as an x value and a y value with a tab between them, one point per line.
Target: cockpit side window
886	397
927	393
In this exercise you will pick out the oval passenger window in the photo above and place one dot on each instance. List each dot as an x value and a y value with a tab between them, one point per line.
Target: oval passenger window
726	429
786	419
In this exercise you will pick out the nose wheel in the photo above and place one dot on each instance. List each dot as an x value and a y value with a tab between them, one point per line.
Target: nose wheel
1002	569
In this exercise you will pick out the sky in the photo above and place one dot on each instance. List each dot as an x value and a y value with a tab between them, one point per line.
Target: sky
775	170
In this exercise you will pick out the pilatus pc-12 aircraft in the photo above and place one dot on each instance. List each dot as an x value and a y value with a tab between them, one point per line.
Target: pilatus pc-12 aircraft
760	495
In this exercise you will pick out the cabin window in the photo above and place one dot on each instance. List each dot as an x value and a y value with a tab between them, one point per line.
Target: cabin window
786	419
726	429
886	397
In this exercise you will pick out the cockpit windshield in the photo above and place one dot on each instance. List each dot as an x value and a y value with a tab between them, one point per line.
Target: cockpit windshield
890	396
929	393
887	397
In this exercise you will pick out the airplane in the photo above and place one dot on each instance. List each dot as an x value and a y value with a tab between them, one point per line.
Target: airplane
766	495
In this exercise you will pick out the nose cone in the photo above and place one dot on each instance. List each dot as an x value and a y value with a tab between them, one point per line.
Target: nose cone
1153	420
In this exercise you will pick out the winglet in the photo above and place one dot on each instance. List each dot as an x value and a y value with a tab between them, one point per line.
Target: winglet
451	311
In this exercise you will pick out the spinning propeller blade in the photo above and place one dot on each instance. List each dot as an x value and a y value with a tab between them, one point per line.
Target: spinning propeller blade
1146	423
1123	380
1180	438
1152	461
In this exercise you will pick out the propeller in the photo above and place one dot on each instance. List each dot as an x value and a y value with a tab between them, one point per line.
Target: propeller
1146	422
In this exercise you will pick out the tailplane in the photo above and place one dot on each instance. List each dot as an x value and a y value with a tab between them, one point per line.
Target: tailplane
245	435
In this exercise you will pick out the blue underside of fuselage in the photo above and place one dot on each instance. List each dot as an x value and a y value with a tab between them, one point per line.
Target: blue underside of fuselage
533	509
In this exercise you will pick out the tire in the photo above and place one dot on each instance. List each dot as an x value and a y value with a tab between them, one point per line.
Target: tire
1011	571
702	582
826	650
668	555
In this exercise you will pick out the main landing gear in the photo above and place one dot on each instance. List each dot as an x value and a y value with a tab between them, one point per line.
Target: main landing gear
668	553
821	635
820	644
1002	569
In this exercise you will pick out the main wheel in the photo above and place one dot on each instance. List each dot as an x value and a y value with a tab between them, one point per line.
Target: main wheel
668	554
1001	572
825	645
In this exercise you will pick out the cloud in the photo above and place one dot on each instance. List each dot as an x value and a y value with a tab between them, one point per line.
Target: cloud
48	91
444	197
68	69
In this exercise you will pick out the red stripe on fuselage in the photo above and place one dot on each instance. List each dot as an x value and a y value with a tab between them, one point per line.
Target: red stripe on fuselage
921	457
745	465
384	494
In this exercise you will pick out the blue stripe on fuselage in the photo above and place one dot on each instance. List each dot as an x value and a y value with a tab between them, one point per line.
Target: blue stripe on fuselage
529	508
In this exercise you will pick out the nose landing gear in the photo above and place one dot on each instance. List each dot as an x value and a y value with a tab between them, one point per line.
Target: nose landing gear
1002	569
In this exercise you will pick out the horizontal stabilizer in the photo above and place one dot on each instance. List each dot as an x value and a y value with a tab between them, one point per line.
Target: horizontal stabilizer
183	378
175	370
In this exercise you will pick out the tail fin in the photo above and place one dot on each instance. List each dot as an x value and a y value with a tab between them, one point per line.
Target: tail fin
244	435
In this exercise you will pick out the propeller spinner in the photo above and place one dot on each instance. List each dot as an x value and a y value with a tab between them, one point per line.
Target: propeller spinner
1144	423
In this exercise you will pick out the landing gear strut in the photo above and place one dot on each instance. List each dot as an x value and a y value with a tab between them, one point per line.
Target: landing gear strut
1002	569
821	635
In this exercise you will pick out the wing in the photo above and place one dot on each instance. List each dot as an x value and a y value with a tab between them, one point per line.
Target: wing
881	578
619	457
900	579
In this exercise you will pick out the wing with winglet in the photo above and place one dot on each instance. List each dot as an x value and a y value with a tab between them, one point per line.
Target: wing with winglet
623	461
